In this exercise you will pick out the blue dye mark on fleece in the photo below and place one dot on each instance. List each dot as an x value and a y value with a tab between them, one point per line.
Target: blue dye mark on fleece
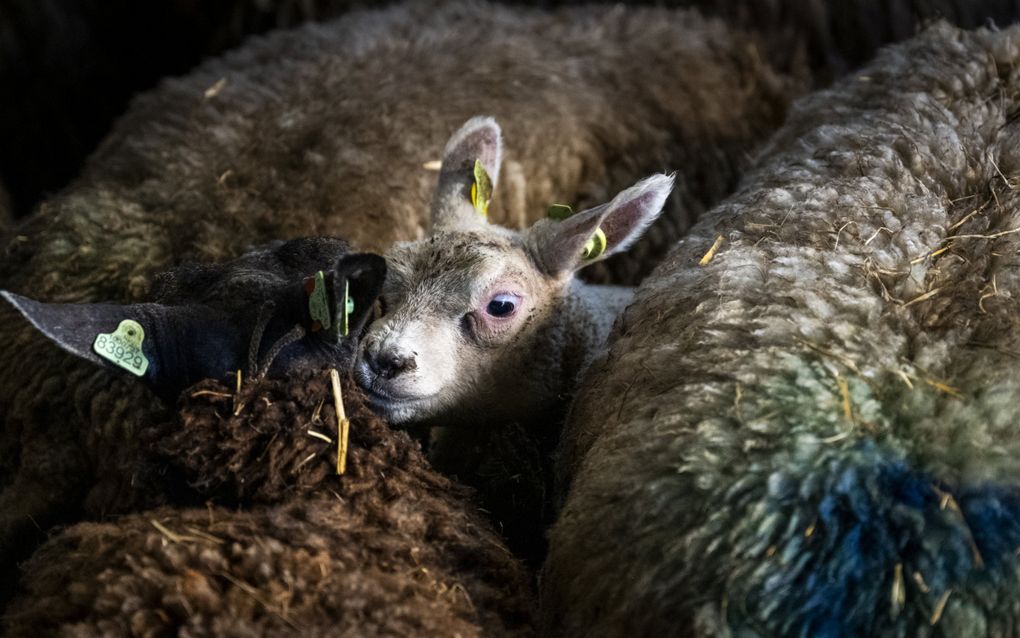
873	511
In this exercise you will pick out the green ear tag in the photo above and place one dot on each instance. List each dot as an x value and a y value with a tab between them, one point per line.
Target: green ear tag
481	190
595	246
348	309
318	302
123	347
559	211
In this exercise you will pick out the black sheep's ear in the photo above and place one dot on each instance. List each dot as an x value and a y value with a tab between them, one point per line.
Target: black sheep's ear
357	282
167	347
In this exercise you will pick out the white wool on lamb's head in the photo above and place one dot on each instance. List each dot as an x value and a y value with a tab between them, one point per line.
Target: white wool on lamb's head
481	317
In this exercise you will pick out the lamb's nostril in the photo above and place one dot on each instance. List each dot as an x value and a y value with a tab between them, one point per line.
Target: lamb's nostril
388	364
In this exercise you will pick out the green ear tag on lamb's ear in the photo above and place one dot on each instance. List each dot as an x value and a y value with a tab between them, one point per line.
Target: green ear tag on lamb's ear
559	212
348	306
481	190
318	303
123	347
595	246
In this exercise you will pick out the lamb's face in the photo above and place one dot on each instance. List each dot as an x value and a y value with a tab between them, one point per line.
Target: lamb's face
461	314
466	309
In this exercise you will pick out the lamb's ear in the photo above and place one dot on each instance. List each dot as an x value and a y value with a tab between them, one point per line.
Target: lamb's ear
469	173
364	274
592	235
167	347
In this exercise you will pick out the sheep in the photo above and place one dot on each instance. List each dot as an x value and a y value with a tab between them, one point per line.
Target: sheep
486	329
95	54
389	548
814	398
254	315
325	130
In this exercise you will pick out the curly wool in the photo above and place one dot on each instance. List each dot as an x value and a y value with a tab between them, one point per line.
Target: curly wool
325	130
815	433
389	548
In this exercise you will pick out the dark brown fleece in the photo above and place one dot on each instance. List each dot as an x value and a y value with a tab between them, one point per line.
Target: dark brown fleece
389	548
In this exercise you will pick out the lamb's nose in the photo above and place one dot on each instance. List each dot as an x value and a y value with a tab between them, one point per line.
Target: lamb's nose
388	363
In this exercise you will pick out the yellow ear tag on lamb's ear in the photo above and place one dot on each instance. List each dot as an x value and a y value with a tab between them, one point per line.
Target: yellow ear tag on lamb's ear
595	246
481	190
348	306
123	347
318	303
559	212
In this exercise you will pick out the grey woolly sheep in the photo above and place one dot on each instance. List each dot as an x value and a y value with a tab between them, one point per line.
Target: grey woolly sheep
815	432
324	130
390	548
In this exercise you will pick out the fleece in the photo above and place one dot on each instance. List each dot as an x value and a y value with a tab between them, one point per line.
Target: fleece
285	546
815	398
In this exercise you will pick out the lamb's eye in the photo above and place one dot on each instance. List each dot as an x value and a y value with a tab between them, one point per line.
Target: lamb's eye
503	305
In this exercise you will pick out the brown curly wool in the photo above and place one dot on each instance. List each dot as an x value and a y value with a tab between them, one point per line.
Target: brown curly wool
261	445
389	548
326	129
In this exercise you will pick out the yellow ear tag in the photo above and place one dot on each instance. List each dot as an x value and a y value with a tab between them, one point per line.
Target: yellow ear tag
318	303
481	190
595	246
348	309
123	347
559	212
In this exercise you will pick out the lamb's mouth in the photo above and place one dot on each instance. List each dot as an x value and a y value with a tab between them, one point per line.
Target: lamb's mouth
397	409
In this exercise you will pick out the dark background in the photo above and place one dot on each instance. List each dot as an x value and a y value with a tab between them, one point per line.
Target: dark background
69	67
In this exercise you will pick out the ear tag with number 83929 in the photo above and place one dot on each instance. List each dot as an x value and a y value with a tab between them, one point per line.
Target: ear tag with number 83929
123	347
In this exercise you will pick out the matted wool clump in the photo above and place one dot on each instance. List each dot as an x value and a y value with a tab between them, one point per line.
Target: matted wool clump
388	548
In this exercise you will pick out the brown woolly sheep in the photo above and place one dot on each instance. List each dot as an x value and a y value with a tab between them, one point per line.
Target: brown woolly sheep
96	53
326	129
389	548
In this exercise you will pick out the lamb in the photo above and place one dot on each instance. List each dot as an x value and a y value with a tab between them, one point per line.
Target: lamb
486	329
255	315
389	548
815	398
324	130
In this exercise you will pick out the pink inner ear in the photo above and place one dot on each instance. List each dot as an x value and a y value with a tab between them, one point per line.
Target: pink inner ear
628	218
477	140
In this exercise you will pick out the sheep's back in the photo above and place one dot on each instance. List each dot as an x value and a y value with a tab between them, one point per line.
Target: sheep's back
815	432
389	548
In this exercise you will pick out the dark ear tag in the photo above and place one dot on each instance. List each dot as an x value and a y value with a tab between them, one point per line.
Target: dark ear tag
330	317
318	302
359	279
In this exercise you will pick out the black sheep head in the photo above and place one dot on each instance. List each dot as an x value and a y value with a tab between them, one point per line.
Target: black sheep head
282	308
